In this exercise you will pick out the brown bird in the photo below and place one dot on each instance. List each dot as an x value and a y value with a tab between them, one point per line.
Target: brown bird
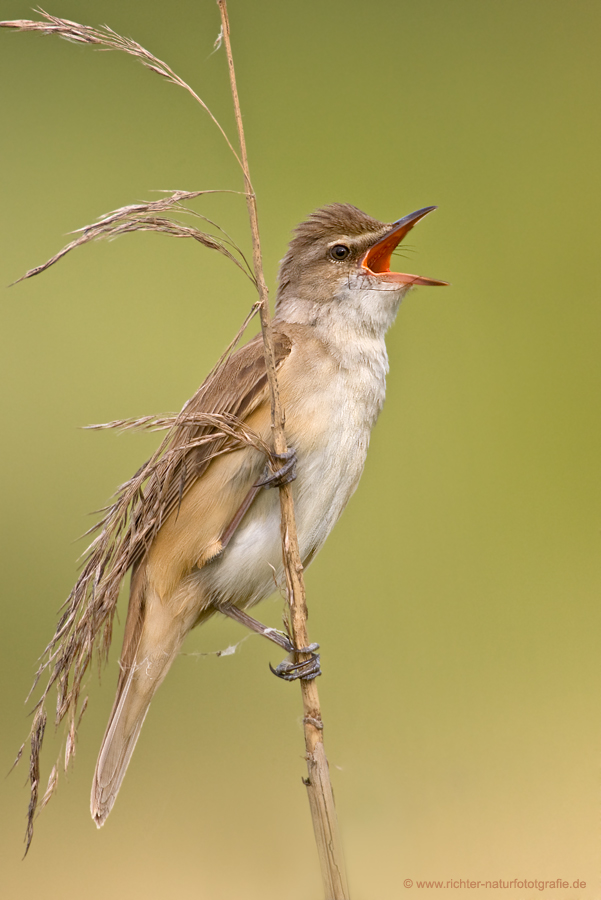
218	544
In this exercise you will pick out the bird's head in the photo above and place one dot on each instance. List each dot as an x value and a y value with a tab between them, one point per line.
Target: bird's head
339	250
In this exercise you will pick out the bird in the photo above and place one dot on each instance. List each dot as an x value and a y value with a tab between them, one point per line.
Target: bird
218	546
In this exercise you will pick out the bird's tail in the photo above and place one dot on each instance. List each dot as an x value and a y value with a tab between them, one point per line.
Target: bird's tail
154	639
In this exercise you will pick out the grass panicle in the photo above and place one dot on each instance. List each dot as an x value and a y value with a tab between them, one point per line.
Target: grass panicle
104	38
143	217
121	537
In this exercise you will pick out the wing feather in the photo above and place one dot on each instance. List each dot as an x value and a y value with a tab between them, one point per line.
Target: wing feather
235	390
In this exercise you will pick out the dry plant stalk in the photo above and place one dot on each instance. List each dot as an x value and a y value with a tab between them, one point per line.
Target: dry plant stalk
143	217
319	786
193	439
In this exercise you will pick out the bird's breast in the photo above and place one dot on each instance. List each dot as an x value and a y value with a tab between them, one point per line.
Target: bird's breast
330	410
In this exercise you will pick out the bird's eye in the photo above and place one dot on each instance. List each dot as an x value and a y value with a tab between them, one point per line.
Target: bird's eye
339	251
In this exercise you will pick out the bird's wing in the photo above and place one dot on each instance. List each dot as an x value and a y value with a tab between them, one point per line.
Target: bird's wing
230	394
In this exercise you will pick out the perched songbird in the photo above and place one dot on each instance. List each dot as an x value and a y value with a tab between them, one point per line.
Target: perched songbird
217	543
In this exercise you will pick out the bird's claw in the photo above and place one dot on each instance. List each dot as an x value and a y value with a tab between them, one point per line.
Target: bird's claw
307	669
284	474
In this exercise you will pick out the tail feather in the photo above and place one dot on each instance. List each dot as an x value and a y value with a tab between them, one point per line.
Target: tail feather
159	637
117	747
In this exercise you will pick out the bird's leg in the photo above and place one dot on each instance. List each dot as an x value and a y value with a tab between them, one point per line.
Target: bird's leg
241	512
287	670
283	475
238	615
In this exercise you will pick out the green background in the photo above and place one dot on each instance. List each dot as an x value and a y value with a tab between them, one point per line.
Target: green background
457	602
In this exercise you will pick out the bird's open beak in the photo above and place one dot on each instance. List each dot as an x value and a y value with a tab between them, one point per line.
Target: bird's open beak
377	259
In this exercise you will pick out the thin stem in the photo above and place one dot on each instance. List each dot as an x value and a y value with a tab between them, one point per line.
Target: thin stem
319	788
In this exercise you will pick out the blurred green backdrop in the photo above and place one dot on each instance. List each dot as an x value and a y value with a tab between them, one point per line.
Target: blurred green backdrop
457	602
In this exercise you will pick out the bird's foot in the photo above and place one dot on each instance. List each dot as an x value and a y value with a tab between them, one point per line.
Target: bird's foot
307	669
284	474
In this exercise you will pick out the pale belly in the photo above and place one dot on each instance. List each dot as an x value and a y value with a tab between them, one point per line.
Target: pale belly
329	468
251	567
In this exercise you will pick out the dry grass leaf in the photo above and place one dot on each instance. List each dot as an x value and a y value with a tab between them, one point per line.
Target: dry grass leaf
143	217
